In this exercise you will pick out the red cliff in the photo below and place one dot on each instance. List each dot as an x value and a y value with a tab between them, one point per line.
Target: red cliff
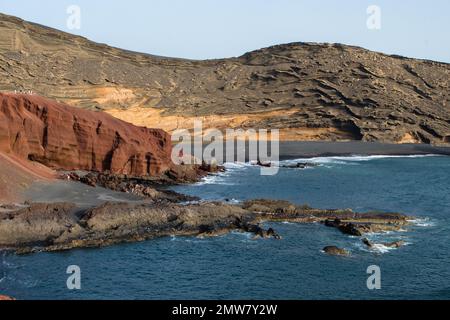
63	137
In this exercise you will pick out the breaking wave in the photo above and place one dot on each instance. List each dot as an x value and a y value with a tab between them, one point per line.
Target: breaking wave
351	159
219	178
423	222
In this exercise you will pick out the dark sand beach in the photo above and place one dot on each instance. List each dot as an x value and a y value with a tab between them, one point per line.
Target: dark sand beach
309	149
306	149
85	196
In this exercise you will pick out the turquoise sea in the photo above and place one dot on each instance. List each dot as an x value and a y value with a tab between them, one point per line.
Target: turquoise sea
235	266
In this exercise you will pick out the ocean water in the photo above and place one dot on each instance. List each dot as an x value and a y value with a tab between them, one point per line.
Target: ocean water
235	266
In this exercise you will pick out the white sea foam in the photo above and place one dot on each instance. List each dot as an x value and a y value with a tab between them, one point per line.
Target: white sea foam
214	179
320	161
351	159
422	222
234	201
378	234
246	235
381	248
378	245
236	165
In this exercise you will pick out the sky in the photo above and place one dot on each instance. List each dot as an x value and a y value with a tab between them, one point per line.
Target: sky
207	29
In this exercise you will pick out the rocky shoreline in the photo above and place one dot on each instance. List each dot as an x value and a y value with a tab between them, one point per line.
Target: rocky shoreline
35	227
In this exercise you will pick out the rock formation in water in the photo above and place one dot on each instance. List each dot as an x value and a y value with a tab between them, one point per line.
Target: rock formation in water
63	137
335	251
309	91
62	226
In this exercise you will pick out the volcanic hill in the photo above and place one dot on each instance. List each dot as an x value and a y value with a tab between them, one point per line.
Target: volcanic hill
308	91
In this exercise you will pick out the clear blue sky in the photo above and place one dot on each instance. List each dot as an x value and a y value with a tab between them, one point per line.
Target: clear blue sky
201	29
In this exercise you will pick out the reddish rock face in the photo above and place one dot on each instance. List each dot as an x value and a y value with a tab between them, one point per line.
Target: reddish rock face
63	137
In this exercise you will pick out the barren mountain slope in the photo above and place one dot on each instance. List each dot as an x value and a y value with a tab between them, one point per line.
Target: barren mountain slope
310	91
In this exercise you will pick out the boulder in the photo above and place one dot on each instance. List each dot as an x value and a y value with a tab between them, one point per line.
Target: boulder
299	165
394	244
333	250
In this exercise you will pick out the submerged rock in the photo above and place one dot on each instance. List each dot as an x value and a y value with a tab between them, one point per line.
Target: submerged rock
394	244
299	165
367	242
333	250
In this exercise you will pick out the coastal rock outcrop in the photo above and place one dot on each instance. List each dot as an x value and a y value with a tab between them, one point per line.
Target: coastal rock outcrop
63	137
147	187
345	220
62	226
372	224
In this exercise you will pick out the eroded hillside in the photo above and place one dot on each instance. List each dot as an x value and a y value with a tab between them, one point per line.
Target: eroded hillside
309	91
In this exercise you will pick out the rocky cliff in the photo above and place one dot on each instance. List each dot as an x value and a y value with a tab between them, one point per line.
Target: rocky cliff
64	137
309	91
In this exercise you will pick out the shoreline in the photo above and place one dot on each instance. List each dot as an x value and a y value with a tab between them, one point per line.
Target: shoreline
61	226
310	149
103	211
58	190
289	150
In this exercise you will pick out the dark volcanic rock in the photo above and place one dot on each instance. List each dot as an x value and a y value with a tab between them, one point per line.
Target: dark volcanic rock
299	165
310	91
62	226
357	228
145	187
64	137
333	250
347	228
39	224
394	244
